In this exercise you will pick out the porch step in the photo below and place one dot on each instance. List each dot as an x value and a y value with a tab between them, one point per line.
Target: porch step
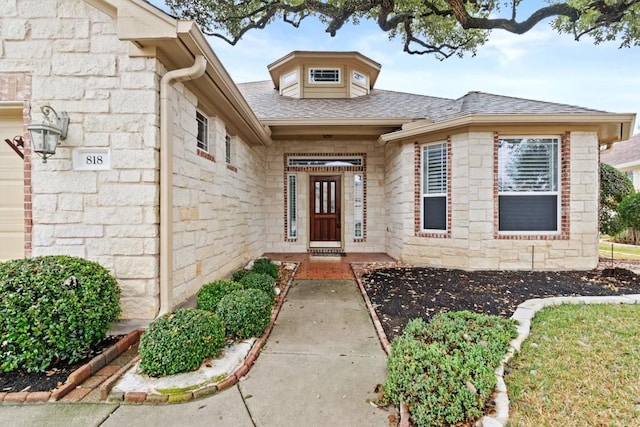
327	252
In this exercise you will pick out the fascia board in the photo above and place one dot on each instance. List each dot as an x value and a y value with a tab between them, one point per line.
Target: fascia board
625	120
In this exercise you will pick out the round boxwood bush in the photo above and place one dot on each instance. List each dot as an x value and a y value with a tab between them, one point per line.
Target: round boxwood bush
245	313
239	274
265	265
210	294
180	342
53	308
261	281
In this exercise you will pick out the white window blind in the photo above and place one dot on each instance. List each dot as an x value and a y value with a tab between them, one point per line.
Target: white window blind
435	176
528	165
324	75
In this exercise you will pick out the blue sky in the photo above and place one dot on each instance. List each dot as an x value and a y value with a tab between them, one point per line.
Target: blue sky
539	65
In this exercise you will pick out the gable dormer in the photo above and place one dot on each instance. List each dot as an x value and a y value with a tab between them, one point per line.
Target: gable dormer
302	74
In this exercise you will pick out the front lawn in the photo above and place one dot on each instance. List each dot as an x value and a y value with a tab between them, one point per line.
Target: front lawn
579	367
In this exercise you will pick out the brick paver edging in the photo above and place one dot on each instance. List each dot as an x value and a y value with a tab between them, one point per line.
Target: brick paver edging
523	315
76	377
230	381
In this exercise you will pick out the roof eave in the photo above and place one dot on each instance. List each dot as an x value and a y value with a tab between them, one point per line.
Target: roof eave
611	126
176	43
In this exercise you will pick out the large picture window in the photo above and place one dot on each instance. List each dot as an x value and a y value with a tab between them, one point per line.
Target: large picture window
434	187
528	184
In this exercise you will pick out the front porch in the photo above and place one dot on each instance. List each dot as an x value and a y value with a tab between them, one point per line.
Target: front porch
328	267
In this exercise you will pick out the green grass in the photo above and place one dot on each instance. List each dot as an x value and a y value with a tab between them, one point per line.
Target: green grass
579	367
620	252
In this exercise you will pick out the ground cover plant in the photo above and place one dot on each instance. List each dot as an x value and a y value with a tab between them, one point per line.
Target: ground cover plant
443	370
578	367
53	308
180	342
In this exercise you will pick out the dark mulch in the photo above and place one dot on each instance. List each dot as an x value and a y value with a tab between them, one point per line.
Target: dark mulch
401	294
56	375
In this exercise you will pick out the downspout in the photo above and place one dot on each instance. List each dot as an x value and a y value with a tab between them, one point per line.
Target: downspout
166	178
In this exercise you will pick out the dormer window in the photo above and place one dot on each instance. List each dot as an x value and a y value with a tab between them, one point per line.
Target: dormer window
359	78
324	75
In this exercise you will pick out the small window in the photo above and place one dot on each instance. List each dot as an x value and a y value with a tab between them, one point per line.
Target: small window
359	78
434	187
358	207
292	207
528	184
290	78
324	75
227	149
202	140
324	161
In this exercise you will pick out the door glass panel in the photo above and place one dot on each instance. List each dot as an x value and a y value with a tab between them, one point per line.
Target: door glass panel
333	197
317	206
325	188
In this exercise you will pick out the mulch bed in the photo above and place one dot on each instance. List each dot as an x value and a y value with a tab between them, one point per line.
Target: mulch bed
399	294
57	374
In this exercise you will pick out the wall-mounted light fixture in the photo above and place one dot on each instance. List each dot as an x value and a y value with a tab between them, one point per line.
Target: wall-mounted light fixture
46	133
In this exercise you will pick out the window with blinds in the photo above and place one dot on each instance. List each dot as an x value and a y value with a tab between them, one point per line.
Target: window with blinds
528	184
358	207
434	187
324	75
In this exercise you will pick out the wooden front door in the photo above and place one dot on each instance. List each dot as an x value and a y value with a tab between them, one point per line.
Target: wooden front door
325	210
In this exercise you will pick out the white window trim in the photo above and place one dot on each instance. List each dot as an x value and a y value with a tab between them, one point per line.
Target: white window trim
205	121
228	153
312	81
290	78
358	205
292	199
557	193
424	195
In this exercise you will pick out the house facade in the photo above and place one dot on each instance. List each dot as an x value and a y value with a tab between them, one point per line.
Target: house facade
625	156
172	175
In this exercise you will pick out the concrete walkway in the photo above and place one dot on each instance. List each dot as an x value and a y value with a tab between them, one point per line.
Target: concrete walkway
320	367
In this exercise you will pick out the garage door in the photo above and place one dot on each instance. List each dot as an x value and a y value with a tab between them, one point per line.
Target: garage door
11	190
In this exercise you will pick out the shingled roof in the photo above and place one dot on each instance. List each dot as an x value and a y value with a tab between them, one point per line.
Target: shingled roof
623	152
268	104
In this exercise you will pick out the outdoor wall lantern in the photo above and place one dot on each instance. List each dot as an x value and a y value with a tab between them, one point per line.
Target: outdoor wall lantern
46	133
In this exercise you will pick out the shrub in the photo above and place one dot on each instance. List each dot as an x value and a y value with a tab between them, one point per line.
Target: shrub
180	342
265	265
239	274
614	187
629	213
245	313
444	370
261	281
53	307
210	294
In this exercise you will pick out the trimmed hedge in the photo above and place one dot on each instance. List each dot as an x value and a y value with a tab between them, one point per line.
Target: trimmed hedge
266	266
210	294
444	370
245	313
180	342
53	307
261	281
239	274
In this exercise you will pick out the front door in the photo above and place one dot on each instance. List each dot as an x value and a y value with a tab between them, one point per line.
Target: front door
325	211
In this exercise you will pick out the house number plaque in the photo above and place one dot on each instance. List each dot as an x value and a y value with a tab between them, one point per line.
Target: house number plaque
85	159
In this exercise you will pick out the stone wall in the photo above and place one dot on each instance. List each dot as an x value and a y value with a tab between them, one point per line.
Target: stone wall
274	200
218	219
474	241
78	65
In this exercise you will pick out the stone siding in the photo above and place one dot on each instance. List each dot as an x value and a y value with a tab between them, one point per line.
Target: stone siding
274	201
475	244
